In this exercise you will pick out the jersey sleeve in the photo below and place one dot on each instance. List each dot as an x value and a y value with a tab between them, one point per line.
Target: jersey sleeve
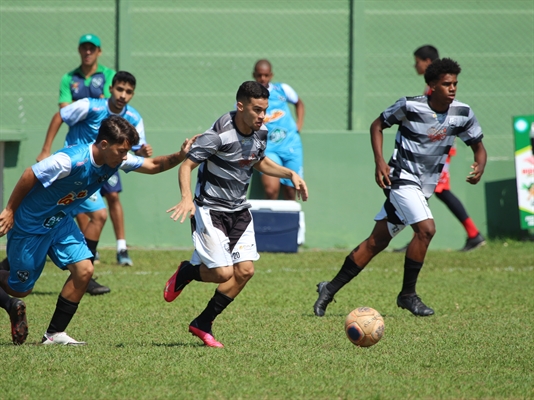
205	146
290	93
472	131
75	112
65	95
52	168
395	113
140	128
132	163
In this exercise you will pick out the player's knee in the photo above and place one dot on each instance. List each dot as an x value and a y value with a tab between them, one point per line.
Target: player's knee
99	217
244	273
223	274
84	271
427	233
112	197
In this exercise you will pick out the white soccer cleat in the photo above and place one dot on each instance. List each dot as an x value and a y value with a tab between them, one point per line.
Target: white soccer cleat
61	338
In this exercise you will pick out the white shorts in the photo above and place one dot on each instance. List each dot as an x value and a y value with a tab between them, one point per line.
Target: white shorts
404	206
223	238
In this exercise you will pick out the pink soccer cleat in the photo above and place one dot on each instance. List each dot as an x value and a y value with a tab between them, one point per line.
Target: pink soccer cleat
206	337
174	285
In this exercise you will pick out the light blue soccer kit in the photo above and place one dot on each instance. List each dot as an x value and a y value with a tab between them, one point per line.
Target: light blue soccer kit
284	146
43	222
84	118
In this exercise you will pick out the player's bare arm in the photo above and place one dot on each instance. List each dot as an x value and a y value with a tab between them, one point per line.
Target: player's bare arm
269	167
51	133
479	164
26	182
163	163
299	111
186	204
381	167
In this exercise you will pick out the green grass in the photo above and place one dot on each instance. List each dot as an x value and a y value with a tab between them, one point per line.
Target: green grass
478	345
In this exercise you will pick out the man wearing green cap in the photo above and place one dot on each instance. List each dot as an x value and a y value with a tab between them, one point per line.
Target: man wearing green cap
88	80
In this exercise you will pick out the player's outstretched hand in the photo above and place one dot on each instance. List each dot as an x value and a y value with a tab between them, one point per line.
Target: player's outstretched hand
186	145
180	210
300	186
42	155
474	177
6	221
382	174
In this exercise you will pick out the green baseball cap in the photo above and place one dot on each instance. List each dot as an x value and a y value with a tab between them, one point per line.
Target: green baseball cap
90	38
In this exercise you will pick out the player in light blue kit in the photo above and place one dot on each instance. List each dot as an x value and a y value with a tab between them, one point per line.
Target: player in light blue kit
38	221
84	118
284	146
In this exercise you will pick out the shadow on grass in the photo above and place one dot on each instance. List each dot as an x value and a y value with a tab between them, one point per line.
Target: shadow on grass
41	293
178	344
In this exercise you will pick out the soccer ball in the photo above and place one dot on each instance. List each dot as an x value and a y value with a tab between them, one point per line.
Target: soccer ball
364	326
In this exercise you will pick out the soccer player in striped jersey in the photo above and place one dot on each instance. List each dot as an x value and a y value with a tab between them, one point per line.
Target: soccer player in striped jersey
223	232
424	56
428	126
38	221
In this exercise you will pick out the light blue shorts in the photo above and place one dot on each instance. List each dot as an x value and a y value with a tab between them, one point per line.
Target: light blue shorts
287	153
95	202
27	253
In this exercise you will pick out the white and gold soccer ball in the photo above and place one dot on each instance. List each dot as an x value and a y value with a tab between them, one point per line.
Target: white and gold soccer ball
364	326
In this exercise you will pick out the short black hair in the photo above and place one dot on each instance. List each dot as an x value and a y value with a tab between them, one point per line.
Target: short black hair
427	51
123	76
116	130
251	90
439	67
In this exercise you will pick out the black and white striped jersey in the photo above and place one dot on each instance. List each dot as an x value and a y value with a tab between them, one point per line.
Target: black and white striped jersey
226	158
424	139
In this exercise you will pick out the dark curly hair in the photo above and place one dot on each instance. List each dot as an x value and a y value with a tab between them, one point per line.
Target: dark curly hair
439	67
251	89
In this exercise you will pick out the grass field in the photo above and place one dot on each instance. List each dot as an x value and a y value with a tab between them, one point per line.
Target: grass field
478	345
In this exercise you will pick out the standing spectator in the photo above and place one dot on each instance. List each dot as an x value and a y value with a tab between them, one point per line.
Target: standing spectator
428	126
283	142
84	117
38	221
424	56
223	231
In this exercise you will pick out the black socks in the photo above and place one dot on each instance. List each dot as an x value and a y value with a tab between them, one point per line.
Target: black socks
92	244
411	272
215	306
348	271
64	312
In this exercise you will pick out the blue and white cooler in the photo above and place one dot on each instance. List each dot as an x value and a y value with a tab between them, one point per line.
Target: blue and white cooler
279	225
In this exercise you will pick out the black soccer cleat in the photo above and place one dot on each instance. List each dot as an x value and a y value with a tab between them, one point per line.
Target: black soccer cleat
94	288
19	323
325	298
474	243
414	304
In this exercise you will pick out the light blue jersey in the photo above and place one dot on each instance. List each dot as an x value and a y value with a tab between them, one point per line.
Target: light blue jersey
66	179
85	116
279	120
284	146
